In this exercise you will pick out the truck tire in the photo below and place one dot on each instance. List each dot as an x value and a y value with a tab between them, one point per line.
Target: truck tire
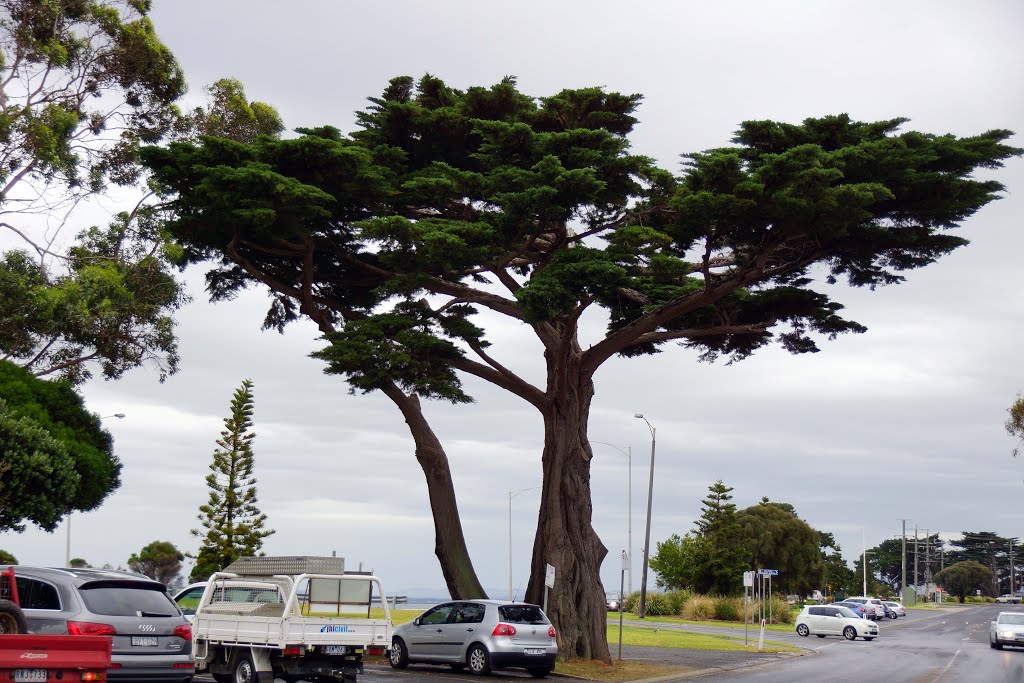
243	670
12	619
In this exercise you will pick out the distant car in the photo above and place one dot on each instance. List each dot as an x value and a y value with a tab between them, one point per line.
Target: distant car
869	609
1008	598
151	638
833	620
898	609
858	608
480	635
1006	629
613	602
188	598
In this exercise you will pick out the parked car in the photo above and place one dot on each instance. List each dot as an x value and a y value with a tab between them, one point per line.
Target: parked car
858	608
875	608
832	620
613	601
150	637
480	635
1006	629
1008	598
188	598
897	609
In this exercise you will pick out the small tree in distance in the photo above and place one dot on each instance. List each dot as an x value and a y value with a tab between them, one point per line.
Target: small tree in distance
160	561
963	577
7	558
231	518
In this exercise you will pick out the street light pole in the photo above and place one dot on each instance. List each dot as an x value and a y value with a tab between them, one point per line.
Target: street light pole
67	543
511	495
864	560
629	507
647	533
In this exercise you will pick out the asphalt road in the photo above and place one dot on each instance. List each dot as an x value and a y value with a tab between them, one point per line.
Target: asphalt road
927	646
933	647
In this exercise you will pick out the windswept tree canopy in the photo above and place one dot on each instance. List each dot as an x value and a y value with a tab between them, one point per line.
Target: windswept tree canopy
449	202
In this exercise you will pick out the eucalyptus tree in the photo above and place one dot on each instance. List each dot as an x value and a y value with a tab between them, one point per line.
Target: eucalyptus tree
447	203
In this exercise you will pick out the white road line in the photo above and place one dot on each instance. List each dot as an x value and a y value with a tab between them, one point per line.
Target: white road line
943	672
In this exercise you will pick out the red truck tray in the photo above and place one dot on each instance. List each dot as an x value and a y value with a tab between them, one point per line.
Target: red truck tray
66	654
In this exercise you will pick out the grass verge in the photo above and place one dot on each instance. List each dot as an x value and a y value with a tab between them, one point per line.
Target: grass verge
627	618
687	640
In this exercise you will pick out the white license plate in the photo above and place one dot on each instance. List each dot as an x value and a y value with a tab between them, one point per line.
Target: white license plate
533	651
29	675
336	649
144	641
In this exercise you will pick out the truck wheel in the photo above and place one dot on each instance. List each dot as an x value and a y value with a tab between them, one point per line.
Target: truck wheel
12	619
399	656
244	671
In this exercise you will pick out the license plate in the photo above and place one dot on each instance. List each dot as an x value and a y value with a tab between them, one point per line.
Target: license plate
144	641
336	650
29	675
533	651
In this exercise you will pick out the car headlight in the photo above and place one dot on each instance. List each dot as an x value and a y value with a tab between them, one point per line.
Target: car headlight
1005	632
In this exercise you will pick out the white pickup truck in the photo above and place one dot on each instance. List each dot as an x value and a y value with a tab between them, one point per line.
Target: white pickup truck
288	617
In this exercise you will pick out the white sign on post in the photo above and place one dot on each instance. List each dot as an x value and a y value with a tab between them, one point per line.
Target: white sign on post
748	579
549	577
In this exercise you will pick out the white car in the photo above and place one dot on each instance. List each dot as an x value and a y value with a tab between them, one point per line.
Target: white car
1008	599
897	609
828	620
1007	629
873	605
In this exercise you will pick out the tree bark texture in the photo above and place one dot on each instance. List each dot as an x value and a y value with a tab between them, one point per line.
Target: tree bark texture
449	540
565	538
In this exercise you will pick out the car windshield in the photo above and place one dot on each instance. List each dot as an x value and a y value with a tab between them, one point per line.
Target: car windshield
522	614
128	601
846	612
1015	619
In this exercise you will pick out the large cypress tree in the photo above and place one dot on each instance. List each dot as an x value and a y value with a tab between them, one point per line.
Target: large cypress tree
233	523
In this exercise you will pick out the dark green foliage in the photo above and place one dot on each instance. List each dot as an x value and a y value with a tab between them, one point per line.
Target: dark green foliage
233	523
723	555
963	578
675	561
57	455
7	558
1015	423
160	561
777	538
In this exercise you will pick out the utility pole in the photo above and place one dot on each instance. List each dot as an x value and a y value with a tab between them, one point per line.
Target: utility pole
1012	583
927	564
915	564
903	563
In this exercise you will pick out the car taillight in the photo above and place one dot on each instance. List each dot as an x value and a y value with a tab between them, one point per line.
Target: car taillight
504	630
292	651
551	631
88	628
94	676
183	631
375	650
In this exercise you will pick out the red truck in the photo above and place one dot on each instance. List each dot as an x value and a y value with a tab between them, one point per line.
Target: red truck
30	658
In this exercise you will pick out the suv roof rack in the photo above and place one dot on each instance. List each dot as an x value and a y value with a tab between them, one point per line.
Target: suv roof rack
286	564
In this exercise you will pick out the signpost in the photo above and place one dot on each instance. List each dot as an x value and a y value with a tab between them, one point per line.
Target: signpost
549	582
748	583
622	586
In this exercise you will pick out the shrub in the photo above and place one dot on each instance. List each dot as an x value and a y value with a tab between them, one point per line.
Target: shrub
632	603
728	609
677	599
699	608
658	605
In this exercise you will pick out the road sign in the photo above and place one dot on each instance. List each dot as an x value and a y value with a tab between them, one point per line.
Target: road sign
549	577
769	572
748	579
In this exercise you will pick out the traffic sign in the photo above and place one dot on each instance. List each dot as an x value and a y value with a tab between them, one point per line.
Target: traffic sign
768	572
748	579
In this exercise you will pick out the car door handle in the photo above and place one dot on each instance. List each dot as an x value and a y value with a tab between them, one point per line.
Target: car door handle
440	630
469	630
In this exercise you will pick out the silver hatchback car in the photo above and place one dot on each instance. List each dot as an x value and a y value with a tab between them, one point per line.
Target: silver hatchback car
480	635
152	640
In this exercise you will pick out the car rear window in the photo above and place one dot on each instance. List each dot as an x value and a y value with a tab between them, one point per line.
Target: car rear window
127	601
521	614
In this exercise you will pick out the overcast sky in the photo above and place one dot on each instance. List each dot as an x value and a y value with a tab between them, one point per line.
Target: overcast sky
905	421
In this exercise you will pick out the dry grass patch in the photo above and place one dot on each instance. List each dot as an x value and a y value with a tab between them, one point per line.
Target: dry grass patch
619	670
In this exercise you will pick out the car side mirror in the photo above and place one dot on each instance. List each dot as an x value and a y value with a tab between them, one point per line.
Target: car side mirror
416	621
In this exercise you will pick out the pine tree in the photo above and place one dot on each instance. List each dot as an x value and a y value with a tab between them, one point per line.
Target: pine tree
721	564
233	523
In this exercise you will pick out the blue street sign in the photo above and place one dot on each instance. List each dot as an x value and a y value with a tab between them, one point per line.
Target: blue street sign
768	572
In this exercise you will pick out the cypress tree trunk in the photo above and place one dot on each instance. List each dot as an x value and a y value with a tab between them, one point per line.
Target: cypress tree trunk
449	540
565	538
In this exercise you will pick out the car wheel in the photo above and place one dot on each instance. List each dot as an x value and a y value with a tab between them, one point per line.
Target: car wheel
995	646
802	630
892	615
12	619
850	633
244	671
539	673
399	656
478	660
